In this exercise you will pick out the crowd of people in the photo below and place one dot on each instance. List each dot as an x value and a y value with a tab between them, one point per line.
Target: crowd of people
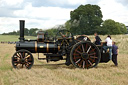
110	46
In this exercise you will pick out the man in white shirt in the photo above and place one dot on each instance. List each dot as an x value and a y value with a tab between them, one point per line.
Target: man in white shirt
109	45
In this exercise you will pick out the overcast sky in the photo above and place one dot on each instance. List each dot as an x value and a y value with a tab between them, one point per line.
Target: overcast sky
45	14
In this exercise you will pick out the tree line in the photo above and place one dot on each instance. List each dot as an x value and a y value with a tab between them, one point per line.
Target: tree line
27	32
86	19
33	32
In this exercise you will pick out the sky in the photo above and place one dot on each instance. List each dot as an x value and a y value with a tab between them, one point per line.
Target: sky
45	14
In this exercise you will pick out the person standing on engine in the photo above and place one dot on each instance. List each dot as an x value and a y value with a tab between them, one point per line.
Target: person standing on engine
108	46
97	39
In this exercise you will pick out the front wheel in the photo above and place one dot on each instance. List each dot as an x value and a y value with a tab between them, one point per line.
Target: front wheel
85	54
22	58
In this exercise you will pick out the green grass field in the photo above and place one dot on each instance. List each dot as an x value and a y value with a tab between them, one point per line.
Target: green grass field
13	37
55	73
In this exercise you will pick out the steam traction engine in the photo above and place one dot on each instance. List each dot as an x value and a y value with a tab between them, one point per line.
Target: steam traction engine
80	51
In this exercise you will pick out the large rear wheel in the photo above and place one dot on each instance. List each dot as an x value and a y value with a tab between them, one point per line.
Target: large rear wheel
85	54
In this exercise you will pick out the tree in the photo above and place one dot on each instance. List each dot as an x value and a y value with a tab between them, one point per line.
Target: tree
32	31
111	27
123	28
52	32
86	19
26	31
68	25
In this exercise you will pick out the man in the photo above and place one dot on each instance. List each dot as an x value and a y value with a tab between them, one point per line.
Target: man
109	46
97	39
114	53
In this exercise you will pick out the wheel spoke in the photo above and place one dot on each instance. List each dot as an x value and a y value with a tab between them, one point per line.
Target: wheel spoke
16	58
91	50
90	62
86	46
16	62
76	54
77	57
83	48
67	42
18	55
83	64
79	47
22	65
23	54
80	63
93	57
93	60
66	34
62	42
27	64
62	34
29	60
86	63
27	56
79	40
88	49
78	51
77	61
92	54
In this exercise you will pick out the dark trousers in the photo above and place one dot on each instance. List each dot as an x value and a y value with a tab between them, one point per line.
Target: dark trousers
114	59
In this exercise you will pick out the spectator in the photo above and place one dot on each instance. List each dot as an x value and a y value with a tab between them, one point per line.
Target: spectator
97	39
115	52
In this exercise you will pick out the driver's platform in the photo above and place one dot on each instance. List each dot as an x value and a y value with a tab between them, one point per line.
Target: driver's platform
104	55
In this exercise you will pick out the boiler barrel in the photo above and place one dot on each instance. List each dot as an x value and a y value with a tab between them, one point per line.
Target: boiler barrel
35	47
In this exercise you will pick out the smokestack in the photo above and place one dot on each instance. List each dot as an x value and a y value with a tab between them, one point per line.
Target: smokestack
22	24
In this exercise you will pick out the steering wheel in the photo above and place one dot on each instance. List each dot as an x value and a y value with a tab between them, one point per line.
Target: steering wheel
64	37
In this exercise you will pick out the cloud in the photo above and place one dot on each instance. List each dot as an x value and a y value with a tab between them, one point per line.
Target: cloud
114	10
35	17
48	13
61	3
123	2
56	3
11	4
43	12
7	7
8	24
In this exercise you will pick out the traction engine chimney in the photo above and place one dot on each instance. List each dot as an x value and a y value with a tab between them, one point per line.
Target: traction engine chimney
22	24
